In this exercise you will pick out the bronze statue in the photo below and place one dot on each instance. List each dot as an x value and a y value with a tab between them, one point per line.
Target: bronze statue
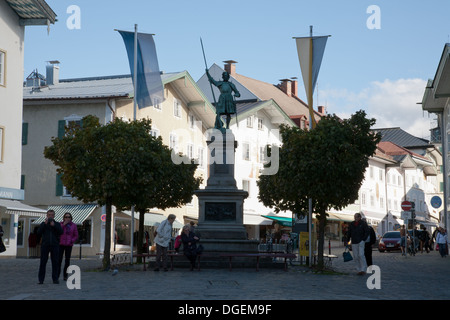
227	104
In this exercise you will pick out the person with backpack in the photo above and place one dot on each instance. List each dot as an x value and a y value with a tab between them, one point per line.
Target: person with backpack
371	239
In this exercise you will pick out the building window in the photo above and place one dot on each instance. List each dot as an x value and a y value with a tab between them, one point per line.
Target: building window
2	68
302	124
190	151
260	124
262	155
250	122
246	185
200	156
122	233
246	151
191	121
154	133
363	199
85	233
173	143
157	103
176	108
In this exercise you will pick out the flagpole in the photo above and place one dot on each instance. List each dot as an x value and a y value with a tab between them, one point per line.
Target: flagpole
134	118
310	128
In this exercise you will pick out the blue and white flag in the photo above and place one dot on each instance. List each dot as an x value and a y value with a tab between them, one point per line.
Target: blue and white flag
149	88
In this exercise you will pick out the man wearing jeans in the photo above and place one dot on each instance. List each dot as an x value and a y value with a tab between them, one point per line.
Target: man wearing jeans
358	233
162	240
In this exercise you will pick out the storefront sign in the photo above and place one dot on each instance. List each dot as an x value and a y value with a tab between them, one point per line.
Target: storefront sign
12	194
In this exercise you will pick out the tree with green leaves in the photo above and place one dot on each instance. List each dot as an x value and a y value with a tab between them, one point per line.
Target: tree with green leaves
120	164
326	164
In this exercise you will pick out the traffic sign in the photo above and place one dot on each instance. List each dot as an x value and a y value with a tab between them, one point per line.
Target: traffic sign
406	205
436	202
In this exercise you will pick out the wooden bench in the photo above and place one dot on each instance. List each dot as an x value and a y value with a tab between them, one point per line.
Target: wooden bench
286	256
230	256
170	254
118	257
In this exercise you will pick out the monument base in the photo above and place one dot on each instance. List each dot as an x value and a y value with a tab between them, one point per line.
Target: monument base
221	213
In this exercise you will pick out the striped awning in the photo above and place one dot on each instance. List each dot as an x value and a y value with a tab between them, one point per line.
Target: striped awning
33	11
19	208
79	212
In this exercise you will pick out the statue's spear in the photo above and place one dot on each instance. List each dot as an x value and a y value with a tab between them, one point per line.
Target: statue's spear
214	97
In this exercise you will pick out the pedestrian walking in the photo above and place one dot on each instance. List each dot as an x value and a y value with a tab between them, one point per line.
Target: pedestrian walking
371	239
68	238
2	245
442	242
403	238
357	234
189	245
424	238
162	240
50	230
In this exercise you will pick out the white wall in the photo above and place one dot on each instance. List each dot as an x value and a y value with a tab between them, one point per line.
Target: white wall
11	42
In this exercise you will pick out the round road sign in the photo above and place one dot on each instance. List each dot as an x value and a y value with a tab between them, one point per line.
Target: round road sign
406	206
436	202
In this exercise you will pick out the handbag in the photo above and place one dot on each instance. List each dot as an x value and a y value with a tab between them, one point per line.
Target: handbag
347	255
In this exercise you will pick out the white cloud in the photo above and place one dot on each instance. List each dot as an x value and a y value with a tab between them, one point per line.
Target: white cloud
393	103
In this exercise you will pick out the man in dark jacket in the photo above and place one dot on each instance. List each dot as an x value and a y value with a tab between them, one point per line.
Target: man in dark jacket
371	239
358	233
50	231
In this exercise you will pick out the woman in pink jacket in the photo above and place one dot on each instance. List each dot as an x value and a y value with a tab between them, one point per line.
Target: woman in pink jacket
66	241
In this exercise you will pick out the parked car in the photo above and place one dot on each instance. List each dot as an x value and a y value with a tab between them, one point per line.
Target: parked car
390	241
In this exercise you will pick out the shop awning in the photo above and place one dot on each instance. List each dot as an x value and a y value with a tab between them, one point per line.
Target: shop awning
155	219
79	212
152	219
340	217
256	220
284	221
19	208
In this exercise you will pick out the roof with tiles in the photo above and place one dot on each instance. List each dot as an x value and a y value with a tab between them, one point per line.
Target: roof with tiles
402	138
85	88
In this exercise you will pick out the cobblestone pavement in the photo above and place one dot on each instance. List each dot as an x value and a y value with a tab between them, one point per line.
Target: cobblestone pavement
400	278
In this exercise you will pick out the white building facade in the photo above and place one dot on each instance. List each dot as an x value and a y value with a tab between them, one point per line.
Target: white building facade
14	16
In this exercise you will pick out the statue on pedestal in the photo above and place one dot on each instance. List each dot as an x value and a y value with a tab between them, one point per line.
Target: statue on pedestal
227	104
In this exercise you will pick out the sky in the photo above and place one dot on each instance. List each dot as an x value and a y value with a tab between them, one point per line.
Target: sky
379	57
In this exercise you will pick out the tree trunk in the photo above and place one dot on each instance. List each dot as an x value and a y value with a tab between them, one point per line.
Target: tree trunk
322	223
140	237
107	250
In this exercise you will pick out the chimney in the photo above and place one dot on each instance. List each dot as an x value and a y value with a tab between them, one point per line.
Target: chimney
294	87
52	70
230	67
285	86
321	110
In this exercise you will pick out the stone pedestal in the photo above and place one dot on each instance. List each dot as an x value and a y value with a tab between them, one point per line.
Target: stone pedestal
221	203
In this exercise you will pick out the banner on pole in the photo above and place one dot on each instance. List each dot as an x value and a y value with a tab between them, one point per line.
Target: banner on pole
149	90
310	52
